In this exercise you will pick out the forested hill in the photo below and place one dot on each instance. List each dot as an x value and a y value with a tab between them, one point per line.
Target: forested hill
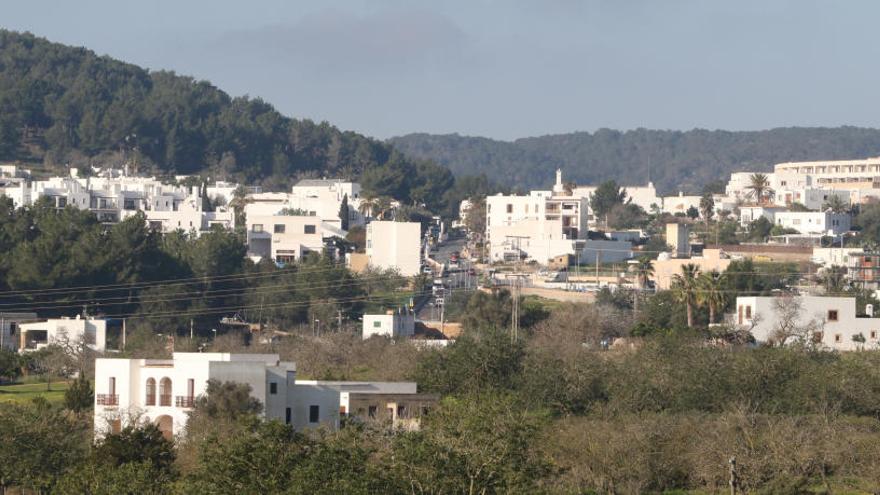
674	160
61	104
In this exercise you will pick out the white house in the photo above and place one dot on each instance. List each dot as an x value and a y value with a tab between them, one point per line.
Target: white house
835	256
748	214
814	222
284	238
36	335
812	197
681	203
830	321
163	391
395	246
394	324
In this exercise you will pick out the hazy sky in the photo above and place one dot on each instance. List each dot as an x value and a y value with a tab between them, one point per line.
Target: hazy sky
502	69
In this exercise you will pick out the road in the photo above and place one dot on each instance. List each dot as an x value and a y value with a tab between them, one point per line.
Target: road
456	278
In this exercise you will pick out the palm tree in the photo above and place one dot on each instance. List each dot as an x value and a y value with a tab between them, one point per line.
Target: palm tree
836	204
712	295
685	287
644	271
707	207
759	187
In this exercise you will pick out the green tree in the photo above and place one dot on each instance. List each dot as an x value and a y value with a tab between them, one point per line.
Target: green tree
79	396
712	293
605	197
685	287
343	213
759	188
10	365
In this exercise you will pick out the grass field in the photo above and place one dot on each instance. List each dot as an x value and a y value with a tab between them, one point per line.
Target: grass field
24	392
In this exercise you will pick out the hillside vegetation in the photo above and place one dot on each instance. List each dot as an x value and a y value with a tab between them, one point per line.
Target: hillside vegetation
673	160
65	105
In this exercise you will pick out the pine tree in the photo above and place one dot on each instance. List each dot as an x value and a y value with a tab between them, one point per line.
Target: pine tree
80	395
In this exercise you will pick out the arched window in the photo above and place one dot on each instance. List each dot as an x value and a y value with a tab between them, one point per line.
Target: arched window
151	392
165	391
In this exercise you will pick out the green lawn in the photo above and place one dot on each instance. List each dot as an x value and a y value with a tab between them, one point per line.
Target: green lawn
24	392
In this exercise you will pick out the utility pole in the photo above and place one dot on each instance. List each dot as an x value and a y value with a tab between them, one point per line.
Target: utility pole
339	319
598	260
190	329
123	333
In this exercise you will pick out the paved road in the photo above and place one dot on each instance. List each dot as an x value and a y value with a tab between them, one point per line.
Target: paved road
457	278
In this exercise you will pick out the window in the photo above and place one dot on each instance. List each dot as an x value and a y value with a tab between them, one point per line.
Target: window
112	385
151	392
817	337
257	227
873	334
748	312
287	415
309	229
279	228
832	315
377	324
837	338
273	388
314	414
401	411
509	208
371	411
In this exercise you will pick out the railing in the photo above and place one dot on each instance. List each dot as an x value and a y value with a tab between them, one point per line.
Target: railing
165	400
151	400
184	401
108	399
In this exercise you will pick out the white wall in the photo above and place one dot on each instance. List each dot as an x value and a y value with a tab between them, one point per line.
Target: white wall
395	246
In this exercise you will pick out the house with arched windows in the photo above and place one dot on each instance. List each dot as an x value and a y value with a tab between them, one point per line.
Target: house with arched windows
164	391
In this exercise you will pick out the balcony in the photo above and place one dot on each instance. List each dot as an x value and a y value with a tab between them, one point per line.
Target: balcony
165	400
107	399
184	401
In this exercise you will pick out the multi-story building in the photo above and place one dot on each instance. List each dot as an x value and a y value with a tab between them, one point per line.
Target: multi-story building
863	269
90	331
832	174
831	322
287	238
395	246
540	226
164	391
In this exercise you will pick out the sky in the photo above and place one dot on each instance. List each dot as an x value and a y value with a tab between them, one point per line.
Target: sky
503	69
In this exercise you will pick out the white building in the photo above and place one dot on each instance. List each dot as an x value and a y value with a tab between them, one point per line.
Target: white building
393	324
833	174
835	256
284	238
811	197
163	391
539	226
395	246
748	214
324	197
36	335
830	321
644	196
814	222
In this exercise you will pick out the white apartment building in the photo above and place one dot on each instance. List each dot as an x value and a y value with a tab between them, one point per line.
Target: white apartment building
539	226
831	321
392	324
814	222
835	256
163	391
325	196
36	335
395	246
835	174
10	324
